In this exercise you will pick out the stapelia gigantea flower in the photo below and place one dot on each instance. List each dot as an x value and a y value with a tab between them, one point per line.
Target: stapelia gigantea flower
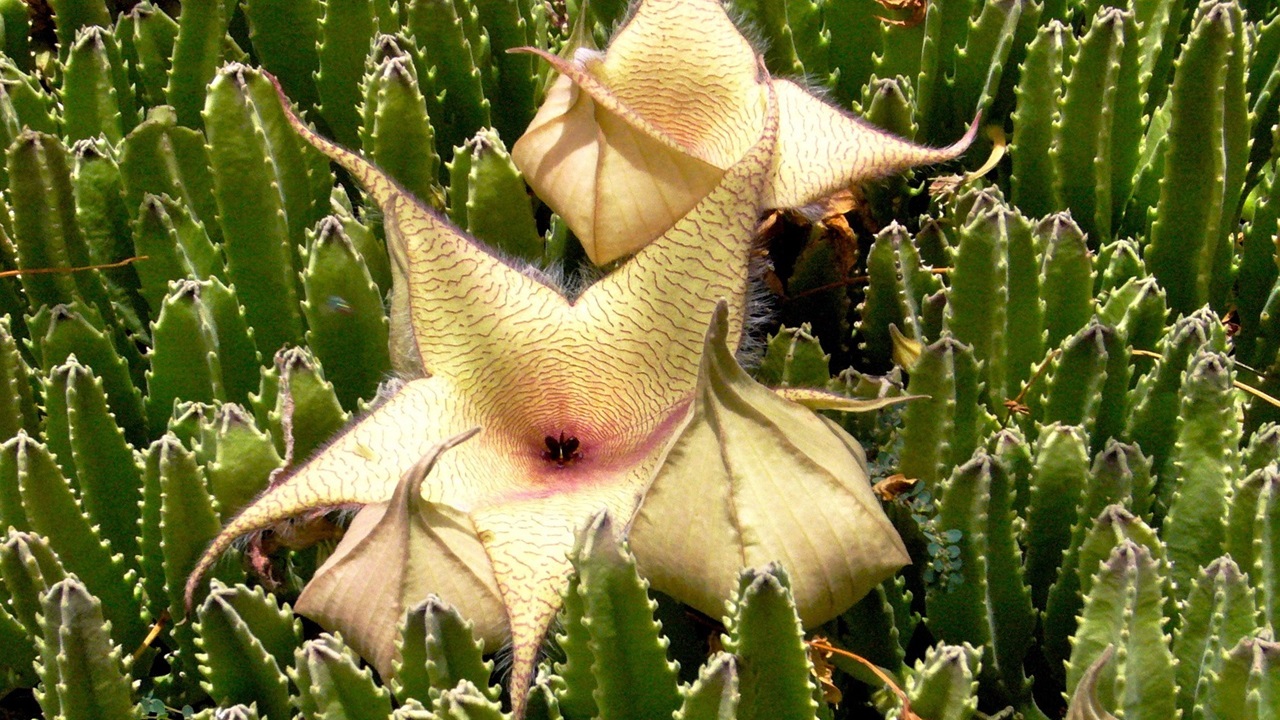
630	140
626	399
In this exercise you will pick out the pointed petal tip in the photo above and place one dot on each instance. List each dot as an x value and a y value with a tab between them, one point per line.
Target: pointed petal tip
217	547
378	184
189	592
928	155
957	148
819	399
393	557
275	82
416	475
718	328
531	50
599	529
456	440
836	540
236	529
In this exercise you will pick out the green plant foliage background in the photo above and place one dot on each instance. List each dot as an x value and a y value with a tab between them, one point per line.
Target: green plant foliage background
1095	515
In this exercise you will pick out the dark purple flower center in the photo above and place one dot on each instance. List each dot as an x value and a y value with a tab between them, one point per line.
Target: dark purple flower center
561	450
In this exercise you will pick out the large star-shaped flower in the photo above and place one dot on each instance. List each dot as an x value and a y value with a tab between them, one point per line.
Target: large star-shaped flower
626	398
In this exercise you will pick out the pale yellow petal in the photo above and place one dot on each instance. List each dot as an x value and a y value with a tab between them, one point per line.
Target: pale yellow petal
458	291
395	554
815	399
676	95
615	178
685	536
685	68
623	359
643	188
652	311
752	479
559	157
680	71
606	100
506	340
822	150
529	542
362	465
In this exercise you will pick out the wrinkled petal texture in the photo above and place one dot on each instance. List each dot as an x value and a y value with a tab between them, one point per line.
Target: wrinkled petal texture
822	150
652	181
716	505
365	463
683	67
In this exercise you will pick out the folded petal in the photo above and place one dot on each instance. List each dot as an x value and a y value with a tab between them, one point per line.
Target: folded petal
363	465
614	176
559	156
489	328
628	140
675	101
680	71
754	478
643	188
395	554
669	287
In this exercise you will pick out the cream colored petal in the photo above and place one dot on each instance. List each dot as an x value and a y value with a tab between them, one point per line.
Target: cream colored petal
362	465
529	363
754	478
672	51
559	157
529	541
458	292
602	94
624	358
822	150
512	345
664	294
641	90
642	189
395	554
815	399
685	535
641	181
617	186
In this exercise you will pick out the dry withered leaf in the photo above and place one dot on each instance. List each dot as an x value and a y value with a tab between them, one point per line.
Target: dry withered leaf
893	486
